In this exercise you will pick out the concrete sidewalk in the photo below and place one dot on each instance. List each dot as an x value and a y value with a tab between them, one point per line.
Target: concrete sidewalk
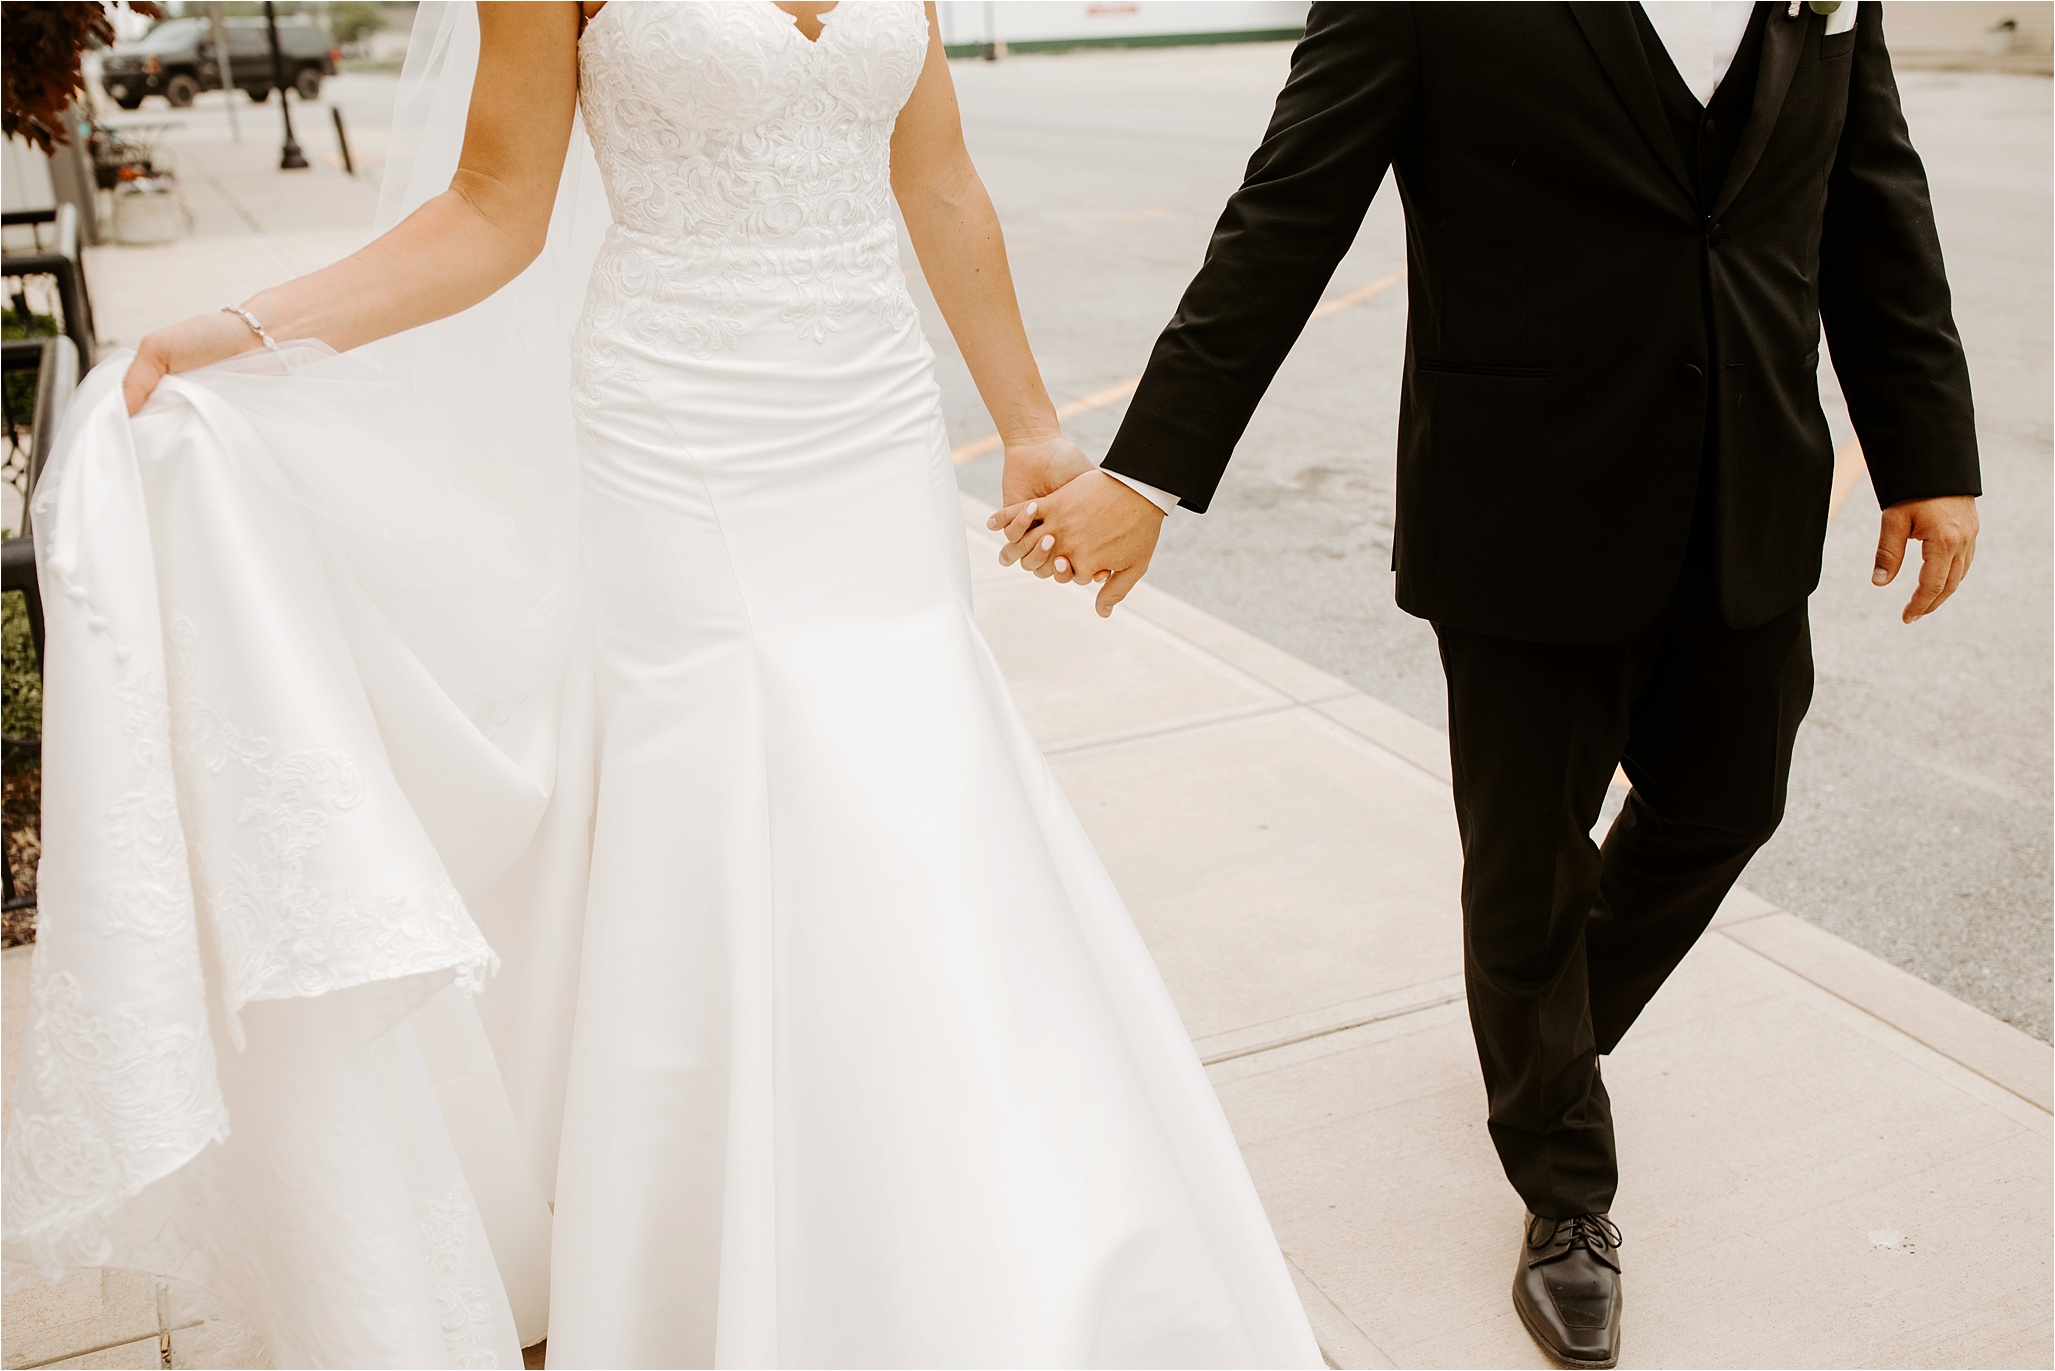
251	226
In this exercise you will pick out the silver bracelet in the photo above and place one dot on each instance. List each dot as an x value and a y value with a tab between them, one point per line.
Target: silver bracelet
248	318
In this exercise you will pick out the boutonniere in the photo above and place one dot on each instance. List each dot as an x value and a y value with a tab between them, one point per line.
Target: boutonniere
1840	13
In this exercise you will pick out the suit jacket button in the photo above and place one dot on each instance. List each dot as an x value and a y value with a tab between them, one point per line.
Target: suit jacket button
1690	373
1714	235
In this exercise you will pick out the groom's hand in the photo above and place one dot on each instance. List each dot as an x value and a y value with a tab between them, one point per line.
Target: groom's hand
1946	530
1093	529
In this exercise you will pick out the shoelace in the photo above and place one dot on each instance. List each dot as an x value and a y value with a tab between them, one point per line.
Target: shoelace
1588	1231
1591	1232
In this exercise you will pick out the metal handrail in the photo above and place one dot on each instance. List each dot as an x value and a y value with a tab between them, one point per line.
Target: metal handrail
56	362
18	572
63	263
57	376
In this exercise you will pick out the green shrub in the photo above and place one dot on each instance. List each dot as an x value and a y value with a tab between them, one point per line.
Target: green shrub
21	708
21	385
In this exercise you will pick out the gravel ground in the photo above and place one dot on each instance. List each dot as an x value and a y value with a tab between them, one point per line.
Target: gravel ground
1919	824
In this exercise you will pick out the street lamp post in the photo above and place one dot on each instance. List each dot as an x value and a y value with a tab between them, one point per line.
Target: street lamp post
290	158
226	63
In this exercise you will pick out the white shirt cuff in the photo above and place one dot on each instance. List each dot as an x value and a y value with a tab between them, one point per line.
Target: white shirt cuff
1162	499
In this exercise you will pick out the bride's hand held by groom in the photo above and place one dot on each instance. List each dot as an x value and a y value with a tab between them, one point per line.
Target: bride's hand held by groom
1093	529
1039	464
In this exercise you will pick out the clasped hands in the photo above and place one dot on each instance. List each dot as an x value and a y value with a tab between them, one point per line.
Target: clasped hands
1066	520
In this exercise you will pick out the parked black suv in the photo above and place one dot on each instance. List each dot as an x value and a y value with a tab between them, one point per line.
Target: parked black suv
176	60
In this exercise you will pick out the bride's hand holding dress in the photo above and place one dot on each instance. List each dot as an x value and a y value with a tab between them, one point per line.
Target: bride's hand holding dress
452	252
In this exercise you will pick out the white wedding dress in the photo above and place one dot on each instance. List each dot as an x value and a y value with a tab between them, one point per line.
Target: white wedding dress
814	1008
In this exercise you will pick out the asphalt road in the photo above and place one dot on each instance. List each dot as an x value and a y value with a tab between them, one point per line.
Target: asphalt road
1920	820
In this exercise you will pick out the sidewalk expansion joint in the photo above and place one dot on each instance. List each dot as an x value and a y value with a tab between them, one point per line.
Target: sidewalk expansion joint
110	1346
1106	742
1364	1021
1384	750
1342	1341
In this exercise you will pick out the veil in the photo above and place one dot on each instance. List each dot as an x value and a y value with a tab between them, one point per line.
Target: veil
494	380
317	762
501	369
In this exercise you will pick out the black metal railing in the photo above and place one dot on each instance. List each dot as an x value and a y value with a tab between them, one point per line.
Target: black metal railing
37	378
56	256
54	363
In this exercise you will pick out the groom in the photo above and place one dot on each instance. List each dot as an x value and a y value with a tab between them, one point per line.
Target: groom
1625	226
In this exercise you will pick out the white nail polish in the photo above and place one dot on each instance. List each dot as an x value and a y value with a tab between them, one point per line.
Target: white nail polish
1048	541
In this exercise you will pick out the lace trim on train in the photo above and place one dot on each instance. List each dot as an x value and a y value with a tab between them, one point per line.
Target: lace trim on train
278	934
101	1099
466	1309
110	1099
107	1102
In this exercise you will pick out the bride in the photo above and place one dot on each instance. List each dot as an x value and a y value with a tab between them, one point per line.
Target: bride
815	1011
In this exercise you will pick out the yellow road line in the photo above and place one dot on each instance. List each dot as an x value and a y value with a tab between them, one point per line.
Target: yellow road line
1356	296
1120	390
1098	399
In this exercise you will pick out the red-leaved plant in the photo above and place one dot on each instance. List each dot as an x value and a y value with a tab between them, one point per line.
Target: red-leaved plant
41	44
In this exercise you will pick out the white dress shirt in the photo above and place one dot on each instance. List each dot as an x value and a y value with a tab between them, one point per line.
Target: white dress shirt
1701	37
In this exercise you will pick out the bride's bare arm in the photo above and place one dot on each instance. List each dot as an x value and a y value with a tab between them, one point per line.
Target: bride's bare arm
447	255
962	254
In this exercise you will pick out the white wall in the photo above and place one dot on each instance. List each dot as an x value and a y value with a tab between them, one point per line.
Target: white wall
24	177
1025	21
1970	33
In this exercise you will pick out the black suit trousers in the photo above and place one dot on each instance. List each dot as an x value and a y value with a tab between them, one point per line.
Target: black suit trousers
1564	941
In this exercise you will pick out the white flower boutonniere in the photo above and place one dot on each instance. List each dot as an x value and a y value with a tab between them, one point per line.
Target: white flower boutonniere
1840	13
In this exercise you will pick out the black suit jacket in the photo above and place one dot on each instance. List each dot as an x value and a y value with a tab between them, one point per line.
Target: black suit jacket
1583	330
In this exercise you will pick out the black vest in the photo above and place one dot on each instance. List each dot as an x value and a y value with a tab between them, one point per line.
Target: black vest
1706	136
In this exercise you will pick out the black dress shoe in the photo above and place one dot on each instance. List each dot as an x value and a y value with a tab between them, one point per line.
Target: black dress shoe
1568	1288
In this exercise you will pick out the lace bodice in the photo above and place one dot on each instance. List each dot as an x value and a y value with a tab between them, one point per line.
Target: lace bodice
748	170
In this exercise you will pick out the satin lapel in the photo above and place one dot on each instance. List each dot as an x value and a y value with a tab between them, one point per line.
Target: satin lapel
1783	40
1609	28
